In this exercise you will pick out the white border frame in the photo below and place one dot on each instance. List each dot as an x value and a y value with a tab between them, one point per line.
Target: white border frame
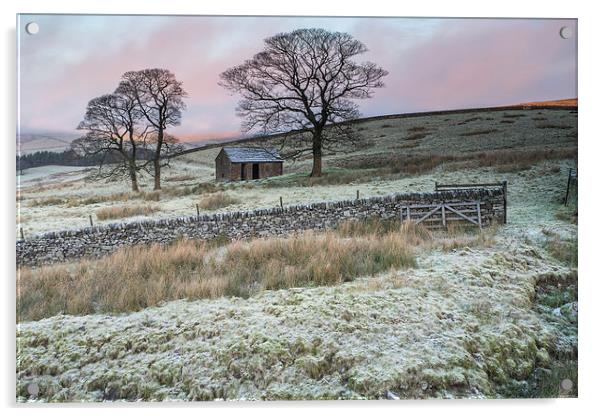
589	154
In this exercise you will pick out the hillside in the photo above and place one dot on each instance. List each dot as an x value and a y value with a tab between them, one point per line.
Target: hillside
390	152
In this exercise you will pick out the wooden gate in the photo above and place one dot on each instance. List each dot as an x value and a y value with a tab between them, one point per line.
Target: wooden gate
459	186
437	215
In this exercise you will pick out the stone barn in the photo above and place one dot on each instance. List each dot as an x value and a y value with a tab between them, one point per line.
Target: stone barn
247	163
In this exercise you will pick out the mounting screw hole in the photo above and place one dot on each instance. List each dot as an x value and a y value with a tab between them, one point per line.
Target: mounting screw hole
566	384
566	32
32	28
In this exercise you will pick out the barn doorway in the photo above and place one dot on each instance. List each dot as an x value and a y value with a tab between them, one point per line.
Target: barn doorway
243	171
255	170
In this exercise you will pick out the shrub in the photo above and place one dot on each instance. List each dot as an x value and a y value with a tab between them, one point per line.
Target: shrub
125	211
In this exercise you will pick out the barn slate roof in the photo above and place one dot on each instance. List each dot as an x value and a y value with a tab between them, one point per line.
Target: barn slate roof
252	154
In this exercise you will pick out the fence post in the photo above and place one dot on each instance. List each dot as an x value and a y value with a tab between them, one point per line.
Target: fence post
357	196
568	188
22	235
505	186
281	204
436	186
198	212
91	222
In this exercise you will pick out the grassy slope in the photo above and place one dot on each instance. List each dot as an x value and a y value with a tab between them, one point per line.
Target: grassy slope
383	140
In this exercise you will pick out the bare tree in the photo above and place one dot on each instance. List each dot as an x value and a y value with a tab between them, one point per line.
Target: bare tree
304	80
111	129
159	97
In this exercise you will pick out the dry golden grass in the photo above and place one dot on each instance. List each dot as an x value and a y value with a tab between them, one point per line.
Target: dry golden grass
44	202
201	188
22	218
124	211
563	250
567	102
217	200
134	278
120	196
180	178
513	160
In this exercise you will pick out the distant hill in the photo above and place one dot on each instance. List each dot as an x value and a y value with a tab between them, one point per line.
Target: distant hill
60	141
568	102
254	140
34	142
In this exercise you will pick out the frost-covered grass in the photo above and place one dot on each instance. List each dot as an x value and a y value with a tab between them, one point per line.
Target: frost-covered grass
563	250
440	330
489	314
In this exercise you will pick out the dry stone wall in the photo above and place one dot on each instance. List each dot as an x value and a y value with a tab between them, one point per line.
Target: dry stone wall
98	241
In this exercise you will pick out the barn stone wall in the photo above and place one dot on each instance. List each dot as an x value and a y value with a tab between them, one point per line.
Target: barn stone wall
222	167
102	240
266	170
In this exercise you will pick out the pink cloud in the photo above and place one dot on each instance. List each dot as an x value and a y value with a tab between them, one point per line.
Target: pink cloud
433	63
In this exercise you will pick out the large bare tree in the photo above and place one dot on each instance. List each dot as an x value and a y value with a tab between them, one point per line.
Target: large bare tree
304	80
159	97
111	125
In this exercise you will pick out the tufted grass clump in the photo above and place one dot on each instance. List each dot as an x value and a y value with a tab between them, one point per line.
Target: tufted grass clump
134	278
48	201
564	250
217	200
124	211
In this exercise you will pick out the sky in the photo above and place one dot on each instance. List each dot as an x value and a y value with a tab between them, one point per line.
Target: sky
433	64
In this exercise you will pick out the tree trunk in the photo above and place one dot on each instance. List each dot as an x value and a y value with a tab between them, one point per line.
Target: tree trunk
134	179
157	160
132	164
316	170
157	166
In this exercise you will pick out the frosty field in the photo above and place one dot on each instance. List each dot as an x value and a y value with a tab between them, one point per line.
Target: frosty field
485	319
388	161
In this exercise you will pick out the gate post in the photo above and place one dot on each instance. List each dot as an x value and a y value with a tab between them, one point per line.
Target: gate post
505	187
